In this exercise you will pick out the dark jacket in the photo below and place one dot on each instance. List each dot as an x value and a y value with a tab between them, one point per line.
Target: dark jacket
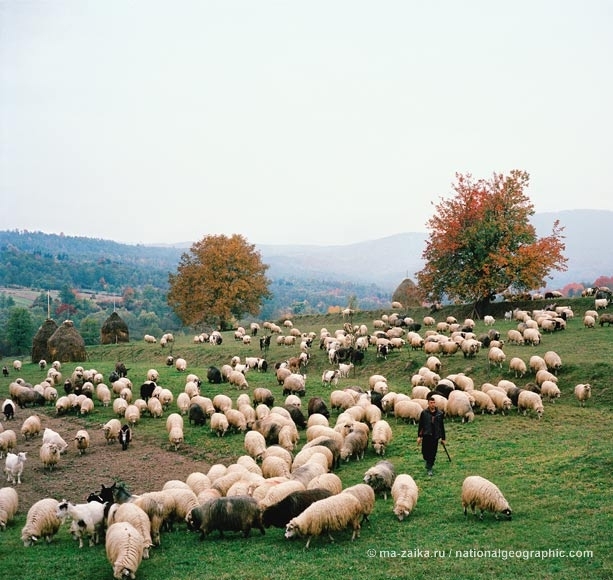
431	424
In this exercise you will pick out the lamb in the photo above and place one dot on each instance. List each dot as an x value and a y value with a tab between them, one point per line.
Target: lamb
480	493
51	436
129	512
124	547
236	514
31	427
583	392
459	405
334	513
381	436
87	520
13	466
405	494
381	477
529	400
82	440
9	503
41	522
49	455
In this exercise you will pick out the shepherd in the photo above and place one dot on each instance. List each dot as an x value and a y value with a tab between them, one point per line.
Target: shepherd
430	430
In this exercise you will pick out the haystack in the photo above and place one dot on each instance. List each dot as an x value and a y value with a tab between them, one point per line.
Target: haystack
66	344
40	351
407	293
114	330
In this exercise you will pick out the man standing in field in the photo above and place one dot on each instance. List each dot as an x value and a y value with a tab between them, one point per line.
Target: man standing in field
430	430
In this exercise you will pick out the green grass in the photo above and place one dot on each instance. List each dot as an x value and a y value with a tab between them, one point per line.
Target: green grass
555	473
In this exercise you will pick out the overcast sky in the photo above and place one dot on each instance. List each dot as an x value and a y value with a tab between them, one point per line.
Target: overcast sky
325	122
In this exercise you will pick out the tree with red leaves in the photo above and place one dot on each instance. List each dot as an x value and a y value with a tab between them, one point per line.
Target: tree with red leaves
482	243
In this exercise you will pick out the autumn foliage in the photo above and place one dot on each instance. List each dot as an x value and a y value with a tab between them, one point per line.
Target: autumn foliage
221	278
482	243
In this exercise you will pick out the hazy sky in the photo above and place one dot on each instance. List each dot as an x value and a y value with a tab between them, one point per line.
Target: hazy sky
324	122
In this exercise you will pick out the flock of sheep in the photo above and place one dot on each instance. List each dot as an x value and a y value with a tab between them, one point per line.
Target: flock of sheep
279	482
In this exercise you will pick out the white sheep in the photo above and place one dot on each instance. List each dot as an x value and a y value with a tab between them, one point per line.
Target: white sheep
550	391
222	402
9	503
601	303
150	339
87	520
405	494
41	522
553	361
531	336
514	336
82	440
407	410
124	547
31	426
131	513
132	415
480	493
219	424
49	455
255	444
111	430
237	379
518	367
529	400
330	514
13	466
180	364
500	399
583	392
381	436
482	402
176	437
51	436
381	477
459	405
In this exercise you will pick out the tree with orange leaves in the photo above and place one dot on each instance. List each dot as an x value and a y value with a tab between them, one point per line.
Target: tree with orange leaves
482	243
221	278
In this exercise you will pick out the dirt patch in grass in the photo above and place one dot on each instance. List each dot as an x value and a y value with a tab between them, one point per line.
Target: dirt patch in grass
144	466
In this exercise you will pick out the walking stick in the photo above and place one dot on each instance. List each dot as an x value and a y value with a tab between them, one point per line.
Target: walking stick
447	452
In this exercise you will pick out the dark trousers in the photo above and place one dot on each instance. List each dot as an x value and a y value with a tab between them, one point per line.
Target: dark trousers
429	447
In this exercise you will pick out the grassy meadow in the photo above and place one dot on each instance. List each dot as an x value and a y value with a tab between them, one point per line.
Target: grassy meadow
555	473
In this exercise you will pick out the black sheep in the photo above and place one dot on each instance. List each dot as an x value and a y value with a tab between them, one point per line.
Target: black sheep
226	514
146	390
196	414
292	505
317	405
213	375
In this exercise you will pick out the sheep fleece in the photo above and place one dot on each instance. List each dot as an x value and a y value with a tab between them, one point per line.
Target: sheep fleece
124	549
480	493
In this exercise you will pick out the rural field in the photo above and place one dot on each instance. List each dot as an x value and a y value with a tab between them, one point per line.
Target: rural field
555	471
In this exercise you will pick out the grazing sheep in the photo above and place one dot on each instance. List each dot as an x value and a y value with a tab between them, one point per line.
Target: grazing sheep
381	477
124	547
354	445
334	513
219	424
583	392
365	494
87	520
176	437
529	400
255	445
500	399
459	405
235	514
9	503
483	402
405	494
31	426
294	383
292	505
82	440
550	391
407	410
480	493
264	396
553	361
49	455
130	512
518	366
13	466
41	522
381	436
180	364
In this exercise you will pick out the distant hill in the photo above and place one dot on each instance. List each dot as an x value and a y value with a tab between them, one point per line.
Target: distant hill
382	263
387	261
